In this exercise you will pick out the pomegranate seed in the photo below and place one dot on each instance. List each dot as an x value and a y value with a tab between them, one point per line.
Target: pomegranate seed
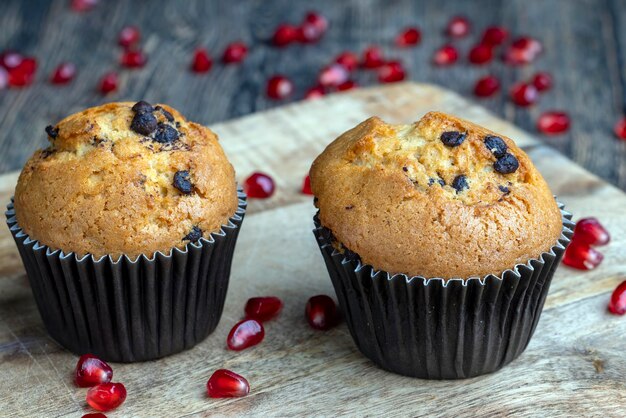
279	87
259	185
321	312
480	54
83	5
486	86
64	73
458	27
263	308
494	35
129	35
315	19
235	52
94	415
108	83
133	59
90	371
285	34
620	128
106	396
522	51
348	85
553	123
542	81
591	232
446	55
306	186
315	92
226	384
4	78
372	57
349	60
524	94
10	59
617	304
581	256
333	75
391	72
312	28
24	73
202	62
408	37
245	334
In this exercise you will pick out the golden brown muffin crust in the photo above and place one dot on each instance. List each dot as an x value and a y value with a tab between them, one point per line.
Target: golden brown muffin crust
102	188
393	194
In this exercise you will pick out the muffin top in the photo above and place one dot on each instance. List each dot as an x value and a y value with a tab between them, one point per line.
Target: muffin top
442	197
125	178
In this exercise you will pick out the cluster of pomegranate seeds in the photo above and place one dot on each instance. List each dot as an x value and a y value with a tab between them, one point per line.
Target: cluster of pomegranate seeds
408	37
106	396
458	27
580	254
310	30
279	87
226	384
263	308
235	52
108	83
620	128
96	373
132	55
306	185
321	312
16	70
259	186
553	122
446	55
64	73
617	303
487	86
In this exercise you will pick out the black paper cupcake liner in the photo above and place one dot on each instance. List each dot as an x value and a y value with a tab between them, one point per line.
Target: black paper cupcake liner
126	310
437	329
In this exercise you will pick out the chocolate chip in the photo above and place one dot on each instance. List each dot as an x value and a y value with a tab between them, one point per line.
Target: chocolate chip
460	183
52	131
506	164
182	182
453	138
504	189
496	145
165	113
405	169
144	123
432	181
349	207
165	134
142	107
194	235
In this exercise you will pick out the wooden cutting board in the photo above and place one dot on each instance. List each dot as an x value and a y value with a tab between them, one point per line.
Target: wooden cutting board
575	365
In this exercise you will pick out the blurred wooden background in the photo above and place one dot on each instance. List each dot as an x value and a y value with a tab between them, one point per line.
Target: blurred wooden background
584	41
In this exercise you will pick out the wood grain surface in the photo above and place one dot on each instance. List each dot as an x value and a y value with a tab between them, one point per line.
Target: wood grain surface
574	366
584	41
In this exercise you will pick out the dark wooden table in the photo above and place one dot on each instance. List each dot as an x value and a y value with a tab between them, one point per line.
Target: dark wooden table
584	40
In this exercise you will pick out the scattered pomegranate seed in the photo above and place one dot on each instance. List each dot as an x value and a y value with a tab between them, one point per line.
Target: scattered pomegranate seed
235	52
458	27
11	59
522	51
581	256
321	312
312	28
94	415
4	78
524	94
553	122
480	54
591	232
106	396
202	62
263	308
226	384
542	81
24	73
391	72
133	59
349	60
494	36
348	85
90	371
617	304
279	87
285	34
408	37
333	75
129	36
315	19
245	334
620	128
446	55
306	186
83	5
108	83
64	73
315	92
486	86
259	185
372	57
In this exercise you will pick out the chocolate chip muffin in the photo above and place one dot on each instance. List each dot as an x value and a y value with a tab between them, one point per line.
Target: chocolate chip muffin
441	239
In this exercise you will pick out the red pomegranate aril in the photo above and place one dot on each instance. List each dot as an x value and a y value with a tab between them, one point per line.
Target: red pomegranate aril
446	55
235	52
312	28
11	59
591	232
458	27
259	186
620	128
263	308
306	186
108	83
523	94
372	57
202	62
480	54
408	37
553	122
494	35
487	86
348	85
94	415
391	72
279	87
581	256
90	371
244	334
24	73
83	5
542	81
106	396
617	304
64	73
333	75
226	384
321	312
315	19
522	51
349	60
129	36
315	92
285	34
133	59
